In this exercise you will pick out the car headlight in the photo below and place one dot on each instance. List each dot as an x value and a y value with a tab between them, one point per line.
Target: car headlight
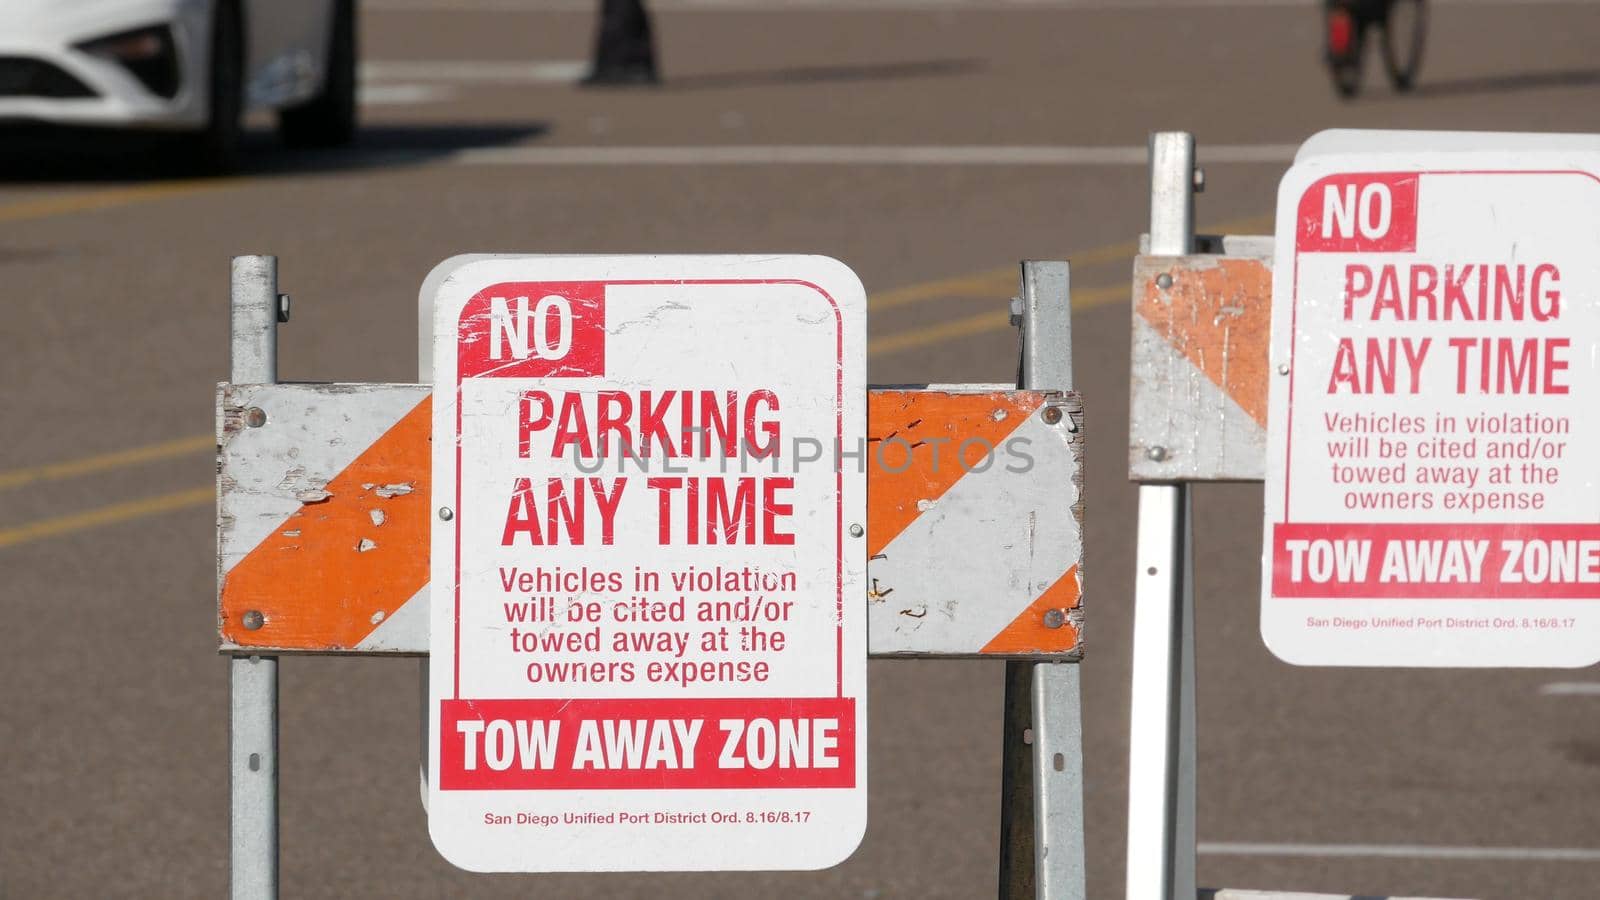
148	53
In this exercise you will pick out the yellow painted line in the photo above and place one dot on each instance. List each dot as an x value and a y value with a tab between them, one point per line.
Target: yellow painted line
981	282
1100	296
1126	250
998	319
994	320
107	461
108	515
88	201
996	281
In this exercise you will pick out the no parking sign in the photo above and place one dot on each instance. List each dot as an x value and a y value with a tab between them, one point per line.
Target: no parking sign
648	641
1432	496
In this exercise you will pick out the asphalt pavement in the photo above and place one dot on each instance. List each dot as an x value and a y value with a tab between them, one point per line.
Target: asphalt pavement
828	120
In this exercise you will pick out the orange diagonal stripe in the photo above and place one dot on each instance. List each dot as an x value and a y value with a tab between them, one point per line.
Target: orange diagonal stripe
914	438
324	576
1028	632
1218	314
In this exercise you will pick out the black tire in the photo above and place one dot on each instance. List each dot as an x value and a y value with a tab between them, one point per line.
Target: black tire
329	119
215	148
1405	30
1345	68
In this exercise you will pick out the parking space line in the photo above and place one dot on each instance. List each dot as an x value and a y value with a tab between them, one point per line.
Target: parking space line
108	515
386	94
997	319
476	71
1000	279
107	461
1402	851
1571	689
88	201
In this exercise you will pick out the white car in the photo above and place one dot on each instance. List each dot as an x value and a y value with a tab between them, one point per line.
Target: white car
186	65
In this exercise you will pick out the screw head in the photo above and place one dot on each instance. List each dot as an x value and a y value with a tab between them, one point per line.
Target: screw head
1164	281
1054	618
446	513
283	307
1156	453
253	620
1283	368
857	531
255	417
1051	415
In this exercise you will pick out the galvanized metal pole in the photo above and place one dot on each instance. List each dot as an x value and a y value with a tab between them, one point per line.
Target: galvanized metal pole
1161	736
1042	820
253	727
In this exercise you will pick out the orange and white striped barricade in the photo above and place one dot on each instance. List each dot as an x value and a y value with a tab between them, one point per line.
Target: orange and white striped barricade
974	534
324	511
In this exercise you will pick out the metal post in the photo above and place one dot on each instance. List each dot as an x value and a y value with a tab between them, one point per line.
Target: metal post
1058	818
425	718
1042	820
253	731
1018	880
1161	737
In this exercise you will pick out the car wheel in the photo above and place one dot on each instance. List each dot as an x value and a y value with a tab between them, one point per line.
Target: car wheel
215	148
329	119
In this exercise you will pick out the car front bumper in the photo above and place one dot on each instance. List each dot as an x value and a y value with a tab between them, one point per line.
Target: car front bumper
44	37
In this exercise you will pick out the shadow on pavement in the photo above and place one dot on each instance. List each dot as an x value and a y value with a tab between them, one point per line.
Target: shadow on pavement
825	74
40	154
1503	84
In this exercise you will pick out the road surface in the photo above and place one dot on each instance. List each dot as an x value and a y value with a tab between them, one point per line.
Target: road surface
928	144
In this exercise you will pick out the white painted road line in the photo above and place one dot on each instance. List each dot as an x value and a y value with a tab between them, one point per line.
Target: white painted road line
469	71
1401	851
1233	894
402	94
856	155
1571	689
588	6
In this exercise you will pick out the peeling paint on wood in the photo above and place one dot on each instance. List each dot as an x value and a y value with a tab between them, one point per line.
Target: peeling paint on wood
1199	369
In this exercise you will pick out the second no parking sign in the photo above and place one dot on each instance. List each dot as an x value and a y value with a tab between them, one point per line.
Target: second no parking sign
1432	496
648	638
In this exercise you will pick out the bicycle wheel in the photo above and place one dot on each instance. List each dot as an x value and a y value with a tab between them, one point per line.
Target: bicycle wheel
1344	43
1405	29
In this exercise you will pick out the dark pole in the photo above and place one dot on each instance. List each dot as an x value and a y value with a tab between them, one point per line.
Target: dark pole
624	48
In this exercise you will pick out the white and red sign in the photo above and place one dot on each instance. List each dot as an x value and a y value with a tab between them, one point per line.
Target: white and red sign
648	638
1432	496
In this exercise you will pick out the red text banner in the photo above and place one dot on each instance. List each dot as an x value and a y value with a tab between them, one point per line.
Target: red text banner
1492	561
1368	212
548	329
643	744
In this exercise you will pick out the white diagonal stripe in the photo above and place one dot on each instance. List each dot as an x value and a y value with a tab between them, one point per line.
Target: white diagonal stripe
1013	539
